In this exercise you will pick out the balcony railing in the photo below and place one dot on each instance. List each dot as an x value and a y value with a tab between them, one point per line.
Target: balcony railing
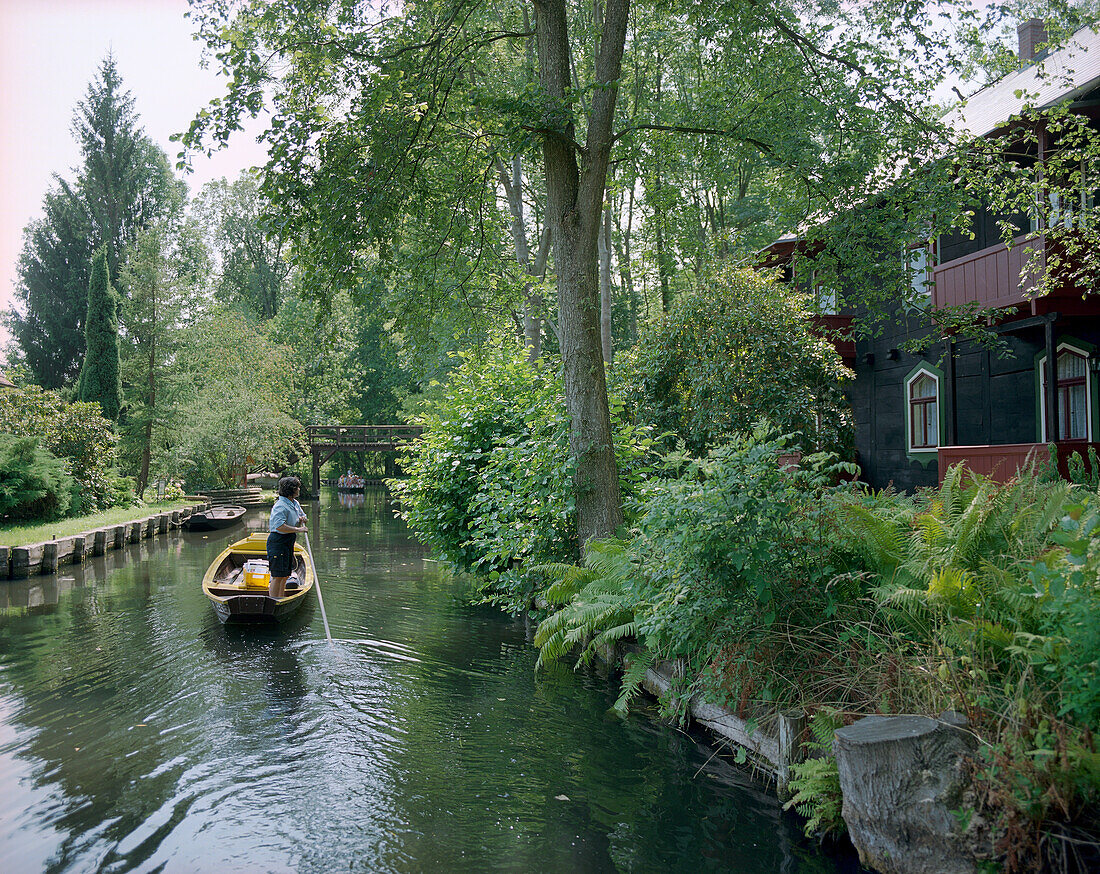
838	330
990	277
1001	463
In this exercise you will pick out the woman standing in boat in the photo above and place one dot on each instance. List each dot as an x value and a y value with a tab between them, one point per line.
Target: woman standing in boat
287	519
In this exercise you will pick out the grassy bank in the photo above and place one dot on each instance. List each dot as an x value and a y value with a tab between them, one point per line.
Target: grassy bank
20	535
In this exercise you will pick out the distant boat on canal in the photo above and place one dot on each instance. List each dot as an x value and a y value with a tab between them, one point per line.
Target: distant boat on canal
215	518
237	583
351	483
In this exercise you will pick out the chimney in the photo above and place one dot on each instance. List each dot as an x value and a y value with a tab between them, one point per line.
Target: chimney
1032	33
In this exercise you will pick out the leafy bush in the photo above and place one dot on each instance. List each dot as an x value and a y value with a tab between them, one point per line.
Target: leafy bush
76	432
121	492
34	484
737	350
993	592
490	485
733	541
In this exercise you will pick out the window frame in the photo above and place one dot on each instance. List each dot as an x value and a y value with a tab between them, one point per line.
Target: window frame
1087	381
929	252
923	454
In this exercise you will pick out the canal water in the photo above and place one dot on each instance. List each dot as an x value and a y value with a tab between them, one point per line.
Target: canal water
138	734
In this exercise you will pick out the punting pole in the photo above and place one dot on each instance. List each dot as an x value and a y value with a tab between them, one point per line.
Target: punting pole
317	584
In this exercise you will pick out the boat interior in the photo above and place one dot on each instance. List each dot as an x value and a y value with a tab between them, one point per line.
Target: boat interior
229	577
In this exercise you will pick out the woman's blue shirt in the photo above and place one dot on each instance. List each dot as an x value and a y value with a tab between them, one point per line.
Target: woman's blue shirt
286	511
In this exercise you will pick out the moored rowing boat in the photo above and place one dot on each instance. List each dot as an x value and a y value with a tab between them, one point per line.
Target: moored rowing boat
215	518
238	596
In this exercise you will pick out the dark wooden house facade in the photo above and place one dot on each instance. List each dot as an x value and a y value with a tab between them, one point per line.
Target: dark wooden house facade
956	400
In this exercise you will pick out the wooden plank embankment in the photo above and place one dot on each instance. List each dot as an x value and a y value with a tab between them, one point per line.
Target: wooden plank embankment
18	562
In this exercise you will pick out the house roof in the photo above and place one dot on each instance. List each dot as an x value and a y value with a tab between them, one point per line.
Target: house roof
1064	74
5	382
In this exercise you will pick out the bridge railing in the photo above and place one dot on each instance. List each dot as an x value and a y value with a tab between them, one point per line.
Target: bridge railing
359	435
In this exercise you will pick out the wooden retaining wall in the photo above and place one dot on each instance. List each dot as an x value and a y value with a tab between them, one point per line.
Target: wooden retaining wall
17	562
772	745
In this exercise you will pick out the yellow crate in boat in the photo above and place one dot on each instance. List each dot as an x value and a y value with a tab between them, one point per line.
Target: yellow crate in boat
256	574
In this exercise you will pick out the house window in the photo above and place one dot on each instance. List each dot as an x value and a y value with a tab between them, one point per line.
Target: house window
918	262
1072	395
924	431
826	302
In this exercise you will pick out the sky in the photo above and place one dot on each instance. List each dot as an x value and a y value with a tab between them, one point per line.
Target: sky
49	51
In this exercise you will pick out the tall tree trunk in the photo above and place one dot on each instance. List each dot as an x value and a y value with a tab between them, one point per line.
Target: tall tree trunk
575	197
626	274
659	206
605	290
533	303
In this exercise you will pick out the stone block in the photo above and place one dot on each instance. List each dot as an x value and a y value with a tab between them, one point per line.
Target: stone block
901	778
65	547
25	559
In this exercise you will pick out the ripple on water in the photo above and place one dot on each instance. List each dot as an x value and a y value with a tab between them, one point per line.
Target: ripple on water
138	734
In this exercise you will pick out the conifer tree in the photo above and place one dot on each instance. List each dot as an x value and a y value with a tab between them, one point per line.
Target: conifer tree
123	184
99	378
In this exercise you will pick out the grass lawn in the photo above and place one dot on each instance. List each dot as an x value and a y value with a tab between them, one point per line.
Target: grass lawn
19	535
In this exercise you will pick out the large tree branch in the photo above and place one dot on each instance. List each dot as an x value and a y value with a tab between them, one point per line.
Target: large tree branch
804	44
598	140
698	131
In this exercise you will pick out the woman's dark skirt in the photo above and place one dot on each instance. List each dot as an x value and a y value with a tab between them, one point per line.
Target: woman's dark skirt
280	553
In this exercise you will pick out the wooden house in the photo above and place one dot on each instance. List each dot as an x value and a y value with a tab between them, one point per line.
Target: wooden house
958	400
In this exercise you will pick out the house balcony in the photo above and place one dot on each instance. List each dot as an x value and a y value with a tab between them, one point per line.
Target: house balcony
1002	463
838	330
990	277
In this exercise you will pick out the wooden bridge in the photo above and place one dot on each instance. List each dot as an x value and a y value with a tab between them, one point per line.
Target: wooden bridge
326	440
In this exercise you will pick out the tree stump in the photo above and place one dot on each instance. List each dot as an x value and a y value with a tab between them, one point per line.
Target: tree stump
901	777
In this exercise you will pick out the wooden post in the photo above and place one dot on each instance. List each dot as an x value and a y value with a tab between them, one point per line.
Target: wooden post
133	532
1051	398
316	472
174	519
792	725
99	541
951	438
118	537
5	562
80	544
162	523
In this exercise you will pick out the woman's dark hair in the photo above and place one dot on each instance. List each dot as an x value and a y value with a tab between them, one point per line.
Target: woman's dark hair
288	485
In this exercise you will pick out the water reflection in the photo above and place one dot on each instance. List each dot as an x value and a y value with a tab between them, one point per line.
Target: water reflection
137	733
351	500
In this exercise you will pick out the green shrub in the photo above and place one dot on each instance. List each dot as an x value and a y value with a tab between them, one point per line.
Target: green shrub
732	541
490	485
34	484
76	432
736	350
120	492
735	540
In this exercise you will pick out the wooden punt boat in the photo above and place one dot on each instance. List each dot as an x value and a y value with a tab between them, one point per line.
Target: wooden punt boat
215	518
236	599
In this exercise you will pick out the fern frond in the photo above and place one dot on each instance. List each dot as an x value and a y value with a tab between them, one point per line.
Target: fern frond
633	676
